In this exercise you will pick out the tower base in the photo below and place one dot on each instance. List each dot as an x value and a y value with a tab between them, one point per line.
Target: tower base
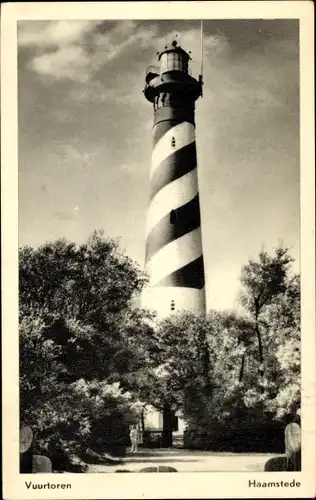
160	299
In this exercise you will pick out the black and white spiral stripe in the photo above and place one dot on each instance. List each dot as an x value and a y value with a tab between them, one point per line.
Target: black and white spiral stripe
173	242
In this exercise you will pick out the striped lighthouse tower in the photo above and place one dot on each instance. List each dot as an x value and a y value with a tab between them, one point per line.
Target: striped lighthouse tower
174	258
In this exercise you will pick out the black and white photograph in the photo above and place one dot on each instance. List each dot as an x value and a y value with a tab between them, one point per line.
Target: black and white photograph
159	249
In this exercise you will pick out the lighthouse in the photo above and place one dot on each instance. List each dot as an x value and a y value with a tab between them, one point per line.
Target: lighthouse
174	256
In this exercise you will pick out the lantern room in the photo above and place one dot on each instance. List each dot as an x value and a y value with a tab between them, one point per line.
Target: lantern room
173	58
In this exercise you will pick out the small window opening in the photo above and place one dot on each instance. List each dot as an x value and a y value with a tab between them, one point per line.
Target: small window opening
173	217
172	307
173	142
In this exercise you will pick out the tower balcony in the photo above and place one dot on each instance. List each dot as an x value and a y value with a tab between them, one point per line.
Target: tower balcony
151	72
173	81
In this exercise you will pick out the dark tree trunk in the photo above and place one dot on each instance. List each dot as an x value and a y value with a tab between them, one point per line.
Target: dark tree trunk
205	360
142	421
261	369
206	370
260	348
167	426
242	367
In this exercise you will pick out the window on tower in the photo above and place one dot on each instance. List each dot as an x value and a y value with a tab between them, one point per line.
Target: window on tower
172	305
173	217
173	142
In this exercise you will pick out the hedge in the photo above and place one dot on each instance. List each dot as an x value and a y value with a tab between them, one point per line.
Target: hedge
236	437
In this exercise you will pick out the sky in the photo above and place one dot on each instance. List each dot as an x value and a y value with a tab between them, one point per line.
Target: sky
85	136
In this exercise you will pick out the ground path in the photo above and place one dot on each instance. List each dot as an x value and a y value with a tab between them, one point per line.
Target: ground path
190	461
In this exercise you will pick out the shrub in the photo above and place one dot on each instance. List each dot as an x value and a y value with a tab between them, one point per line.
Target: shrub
152	439
236	436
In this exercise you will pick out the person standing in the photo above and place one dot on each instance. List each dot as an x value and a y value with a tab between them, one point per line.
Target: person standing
133	437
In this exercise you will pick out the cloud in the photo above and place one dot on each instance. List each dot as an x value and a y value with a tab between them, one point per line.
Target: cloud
77	50
59	47
71	153
190	40
125	35
80	48
65	215
67	62
97	93
50	33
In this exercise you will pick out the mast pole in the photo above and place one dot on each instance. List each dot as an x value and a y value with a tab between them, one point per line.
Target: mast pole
202	50
201	47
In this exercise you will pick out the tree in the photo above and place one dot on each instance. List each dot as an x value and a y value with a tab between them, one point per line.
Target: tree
281	321
83	294
195	363
262	281
75	415
170	366
91	282
235	414
181	353
75	301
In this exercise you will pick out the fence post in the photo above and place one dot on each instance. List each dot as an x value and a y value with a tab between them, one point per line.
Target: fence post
292	435
30	463
292	459
26	450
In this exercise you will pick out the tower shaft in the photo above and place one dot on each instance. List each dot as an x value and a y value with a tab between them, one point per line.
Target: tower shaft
174	257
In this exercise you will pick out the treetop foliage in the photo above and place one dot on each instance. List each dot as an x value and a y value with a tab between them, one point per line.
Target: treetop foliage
264	279
89	360
89	282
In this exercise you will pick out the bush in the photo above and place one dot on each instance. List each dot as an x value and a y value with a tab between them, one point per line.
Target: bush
110	434
236	437
74	306
152	439
86	415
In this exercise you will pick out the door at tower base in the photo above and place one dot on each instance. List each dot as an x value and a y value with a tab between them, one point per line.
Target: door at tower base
169	300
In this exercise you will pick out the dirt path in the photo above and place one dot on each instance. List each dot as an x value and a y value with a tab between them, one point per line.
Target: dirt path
190	461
